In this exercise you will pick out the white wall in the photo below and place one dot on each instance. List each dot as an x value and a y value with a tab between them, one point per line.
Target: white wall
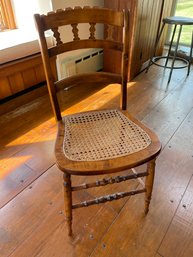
57	4
25	9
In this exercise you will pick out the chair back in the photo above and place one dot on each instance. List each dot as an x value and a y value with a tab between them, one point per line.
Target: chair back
112	20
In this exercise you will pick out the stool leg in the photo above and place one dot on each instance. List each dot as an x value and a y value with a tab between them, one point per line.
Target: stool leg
149	184
190	57
170	47
155	46
175	54
68	202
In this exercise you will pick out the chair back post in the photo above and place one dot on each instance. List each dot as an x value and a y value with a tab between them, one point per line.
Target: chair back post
125	60
47	68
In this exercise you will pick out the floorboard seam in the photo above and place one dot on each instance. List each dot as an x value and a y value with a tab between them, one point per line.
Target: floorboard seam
100	240
158	249
26	185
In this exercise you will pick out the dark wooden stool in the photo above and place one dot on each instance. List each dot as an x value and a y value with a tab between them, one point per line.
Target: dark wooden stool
176	21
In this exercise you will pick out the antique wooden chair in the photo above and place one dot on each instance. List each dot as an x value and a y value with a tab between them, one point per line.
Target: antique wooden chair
102	141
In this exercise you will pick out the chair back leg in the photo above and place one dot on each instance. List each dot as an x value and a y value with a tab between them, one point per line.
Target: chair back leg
68	202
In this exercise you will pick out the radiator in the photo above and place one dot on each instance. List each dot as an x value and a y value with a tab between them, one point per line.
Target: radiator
90	61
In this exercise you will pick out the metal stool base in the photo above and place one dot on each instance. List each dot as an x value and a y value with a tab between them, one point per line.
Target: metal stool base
157	58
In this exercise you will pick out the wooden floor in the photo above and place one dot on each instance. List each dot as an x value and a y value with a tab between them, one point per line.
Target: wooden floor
31	193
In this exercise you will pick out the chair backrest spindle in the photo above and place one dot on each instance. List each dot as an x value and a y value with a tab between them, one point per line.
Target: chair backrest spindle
75	31
56	34
92	30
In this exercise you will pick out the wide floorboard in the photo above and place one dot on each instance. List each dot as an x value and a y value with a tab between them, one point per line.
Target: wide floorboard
31	193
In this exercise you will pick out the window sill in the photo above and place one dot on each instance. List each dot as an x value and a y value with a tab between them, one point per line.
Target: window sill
17	43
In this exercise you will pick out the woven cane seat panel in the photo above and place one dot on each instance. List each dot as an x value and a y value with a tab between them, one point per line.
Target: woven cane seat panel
102	135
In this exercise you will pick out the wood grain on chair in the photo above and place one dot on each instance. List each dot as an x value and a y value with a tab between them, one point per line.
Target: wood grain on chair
112	140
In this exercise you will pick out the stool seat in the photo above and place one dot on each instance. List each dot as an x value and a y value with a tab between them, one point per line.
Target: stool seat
178	20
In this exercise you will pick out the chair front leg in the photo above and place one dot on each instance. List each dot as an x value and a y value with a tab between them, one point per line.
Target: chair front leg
68	202
149	183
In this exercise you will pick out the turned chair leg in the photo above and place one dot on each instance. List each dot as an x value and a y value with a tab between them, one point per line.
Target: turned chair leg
68	202
149	184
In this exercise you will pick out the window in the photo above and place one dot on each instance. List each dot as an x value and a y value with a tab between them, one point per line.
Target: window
185	8
182	8
6	15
